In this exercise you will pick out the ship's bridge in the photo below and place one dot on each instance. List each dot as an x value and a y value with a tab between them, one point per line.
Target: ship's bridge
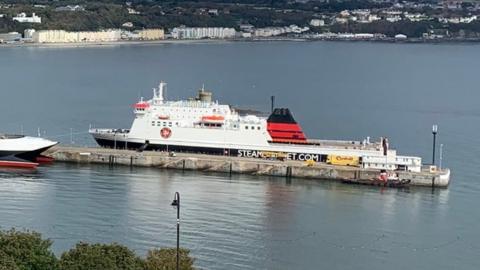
189	112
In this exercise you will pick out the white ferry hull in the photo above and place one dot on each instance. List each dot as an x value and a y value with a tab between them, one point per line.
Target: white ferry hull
293	151
200	125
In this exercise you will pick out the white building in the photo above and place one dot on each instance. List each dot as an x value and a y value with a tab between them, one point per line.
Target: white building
22	18
202	32
213	12
132	11
127	24
456	20
416	17
317	22
61	36
341	20
276	31
71	8
393	18
28	33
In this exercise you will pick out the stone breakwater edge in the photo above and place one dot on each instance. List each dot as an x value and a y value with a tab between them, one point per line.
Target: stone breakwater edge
238	165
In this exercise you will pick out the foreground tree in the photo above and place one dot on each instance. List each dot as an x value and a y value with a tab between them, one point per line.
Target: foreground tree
7	262
25	251
100	257
166	259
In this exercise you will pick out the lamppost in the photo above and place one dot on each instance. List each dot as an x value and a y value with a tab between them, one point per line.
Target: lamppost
176	203
434	132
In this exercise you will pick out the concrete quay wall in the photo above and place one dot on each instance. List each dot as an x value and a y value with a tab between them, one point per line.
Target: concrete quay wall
230	165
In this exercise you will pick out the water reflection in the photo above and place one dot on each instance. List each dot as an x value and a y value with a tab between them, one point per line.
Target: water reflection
234	222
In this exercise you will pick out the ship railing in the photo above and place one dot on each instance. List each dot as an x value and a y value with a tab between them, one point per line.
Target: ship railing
109	130
340	144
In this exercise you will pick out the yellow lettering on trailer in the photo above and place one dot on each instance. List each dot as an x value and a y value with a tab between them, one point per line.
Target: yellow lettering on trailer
343	160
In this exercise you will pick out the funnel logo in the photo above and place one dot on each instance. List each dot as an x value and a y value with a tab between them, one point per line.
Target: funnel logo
166	133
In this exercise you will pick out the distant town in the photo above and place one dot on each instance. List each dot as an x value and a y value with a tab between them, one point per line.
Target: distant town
44	21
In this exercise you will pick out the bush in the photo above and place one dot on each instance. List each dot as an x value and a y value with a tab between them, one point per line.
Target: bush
100	257
28	251
166	259
25	251
7	262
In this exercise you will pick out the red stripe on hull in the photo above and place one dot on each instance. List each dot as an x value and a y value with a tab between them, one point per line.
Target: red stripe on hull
18	164
44	159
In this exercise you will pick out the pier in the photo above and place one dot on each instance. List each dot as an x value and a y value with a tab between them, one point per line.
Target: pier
240	165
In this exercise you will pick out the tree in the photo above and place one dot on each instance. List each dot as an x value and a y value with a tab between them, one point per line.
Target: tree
7	262
27	250
165	259
86	256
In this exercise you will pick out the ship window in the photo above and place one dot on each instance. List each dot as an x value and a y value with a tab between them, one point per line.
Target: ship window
253	127
246	127
258	128
153	123
170	124
164	124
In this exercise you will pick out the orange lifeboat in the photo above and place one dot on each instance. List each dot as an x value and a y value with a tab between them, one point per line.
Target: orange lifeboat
163	117
212	118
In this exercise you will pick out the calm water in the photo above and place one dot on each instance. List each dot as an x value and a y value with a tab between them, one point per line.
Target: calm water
336	90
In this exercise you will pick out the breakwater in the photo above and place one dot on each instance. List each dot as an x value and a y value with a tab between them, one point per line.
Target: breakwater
238	165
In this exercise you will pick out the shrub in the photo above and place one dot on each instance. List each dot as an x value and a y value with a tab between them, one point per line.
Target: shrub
7	262
27	250
166	259
100	257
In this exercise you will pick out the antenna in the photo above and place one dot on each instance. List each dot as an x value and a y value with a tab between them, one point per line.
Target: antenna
272	99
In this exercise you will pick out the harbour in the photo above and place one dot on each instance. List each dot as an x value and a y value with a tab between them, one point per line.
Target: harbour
250	220
241	165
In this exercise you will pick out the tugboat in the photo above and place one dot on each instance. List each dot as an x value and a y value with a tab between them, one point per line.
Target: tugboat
384	179
23	151
202	125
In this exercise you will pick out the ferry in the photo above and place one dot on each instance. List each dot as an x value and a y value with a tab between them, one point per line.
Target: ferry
23	151
202	125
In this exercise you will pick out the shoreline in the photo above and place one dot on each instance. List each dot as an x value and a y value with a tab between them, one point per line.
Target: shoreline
217	41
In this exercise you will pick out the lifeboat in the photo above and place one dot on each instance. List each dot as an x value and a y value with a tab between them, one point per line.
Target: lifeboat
163	117
213	118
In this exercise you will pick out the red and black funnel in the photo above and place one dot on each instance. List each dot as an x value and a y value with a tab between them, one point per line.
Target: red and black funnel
283	128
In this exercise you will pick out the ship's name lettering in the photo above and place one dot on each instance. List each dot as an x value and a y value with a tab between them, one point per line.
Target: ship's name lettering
289	156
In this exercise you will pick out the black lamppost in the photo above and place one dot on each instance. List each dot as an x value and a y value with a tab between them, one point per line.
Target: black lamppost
176	203
434	132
